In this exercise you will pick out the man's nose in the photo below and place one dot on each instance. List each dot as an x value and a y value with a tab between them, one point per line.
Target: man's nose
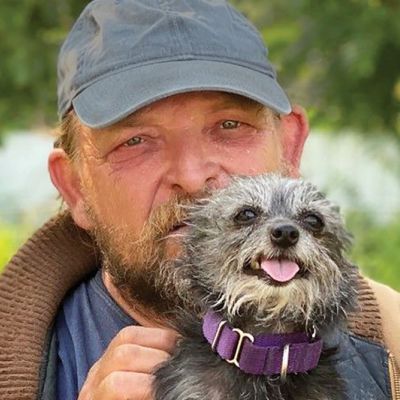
193	169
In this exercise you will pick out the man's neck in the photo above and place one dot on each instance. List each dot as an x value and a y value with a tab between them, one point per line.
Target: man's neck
137	312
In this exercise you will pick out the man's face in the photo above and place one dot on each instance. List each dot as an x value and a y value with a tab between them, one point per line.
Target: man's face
172	151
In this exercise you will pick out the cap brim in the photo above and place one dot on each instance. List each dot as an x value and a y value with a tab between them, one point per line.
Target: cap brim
115	96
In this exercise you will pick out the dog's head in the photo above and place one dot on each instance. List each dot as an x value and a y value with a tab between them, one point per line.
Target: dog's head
270	249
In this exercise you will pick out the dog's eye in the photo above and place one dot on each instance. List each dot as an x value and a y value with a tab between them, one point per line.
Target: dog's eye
246	216
314	222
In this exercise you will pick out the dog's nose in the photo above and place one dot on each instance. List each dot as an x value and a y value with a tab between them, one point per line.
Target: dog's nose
285	235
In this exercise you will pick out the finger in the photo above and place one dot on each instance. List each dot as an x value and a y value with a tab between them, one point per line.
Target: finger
92	380
156	338
131	357
122	385
134	359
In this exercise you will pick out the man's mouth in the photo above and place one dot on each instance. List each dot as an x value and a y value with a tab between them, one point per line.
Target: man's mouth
179	228
274	271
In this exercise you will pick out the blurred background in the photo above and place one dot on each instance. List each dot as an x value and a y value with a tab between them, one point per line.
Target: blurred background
340	60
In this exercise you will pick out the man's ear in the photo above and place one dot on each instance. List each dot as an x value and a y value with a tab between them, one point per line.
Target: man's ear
294	134
68	182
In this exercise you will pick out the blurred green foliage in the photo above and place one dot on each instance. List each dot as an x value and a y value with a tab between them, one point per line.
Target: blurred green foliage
339	59
375	248
11	238
31	32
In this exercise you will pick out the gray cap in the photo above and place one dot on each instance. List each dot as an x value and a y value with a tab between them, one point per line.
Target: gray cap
124	54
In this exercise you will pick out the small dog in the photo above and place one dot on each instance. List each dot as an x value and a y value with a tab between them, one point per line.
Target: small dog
265	280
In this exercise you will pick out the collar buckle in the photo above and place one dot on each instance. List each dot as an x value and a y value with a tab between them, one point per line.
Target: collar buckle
239	345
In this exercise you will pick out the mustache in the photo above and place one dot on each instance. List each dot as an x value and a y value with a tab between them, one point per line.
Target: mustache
171	214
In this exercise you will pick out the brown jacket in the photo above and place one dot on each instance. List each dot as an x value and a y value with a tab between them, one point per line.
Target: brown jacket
60	255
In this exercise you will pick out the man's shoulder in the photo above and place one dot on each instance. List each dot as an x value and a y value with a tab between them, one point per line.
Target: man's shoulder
32	286
388	302
377	318
376	314
383	291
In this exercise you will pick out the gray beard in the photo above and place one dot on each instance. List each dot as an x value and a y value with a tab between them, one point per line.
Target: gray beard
148	285
140	267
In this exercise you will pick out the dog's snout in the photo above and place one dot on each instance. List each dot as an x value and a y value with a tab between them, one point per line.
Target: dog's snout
285	235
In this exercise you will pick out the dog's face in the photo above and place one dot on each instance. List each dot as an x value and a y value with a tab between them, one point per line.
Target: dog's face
270	248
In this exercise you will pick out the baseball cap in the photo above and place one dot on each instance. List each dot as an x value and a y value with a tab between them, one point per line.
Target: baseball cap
122	55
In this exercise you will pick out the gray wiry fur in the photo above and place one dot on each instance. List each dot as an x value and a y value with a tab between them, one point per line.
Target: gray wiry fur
214	273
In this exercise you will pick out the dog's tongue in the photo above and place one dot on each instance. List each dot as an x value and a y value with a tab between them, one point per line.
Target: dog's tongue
280	270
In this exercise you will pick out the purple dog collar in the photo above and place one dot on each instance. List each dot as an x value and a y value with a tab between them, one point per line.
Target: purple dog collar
267	354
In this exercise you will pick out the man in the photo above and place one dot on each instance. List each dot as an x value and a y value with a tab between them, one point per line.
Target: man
160	102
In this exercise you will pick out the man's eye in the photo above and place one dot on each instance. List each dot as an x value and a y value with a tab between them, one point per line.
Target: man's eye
230	124
133	141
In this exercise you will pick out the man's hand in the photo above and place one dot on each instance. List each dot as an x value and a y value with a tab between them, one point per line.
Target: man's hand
125	369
